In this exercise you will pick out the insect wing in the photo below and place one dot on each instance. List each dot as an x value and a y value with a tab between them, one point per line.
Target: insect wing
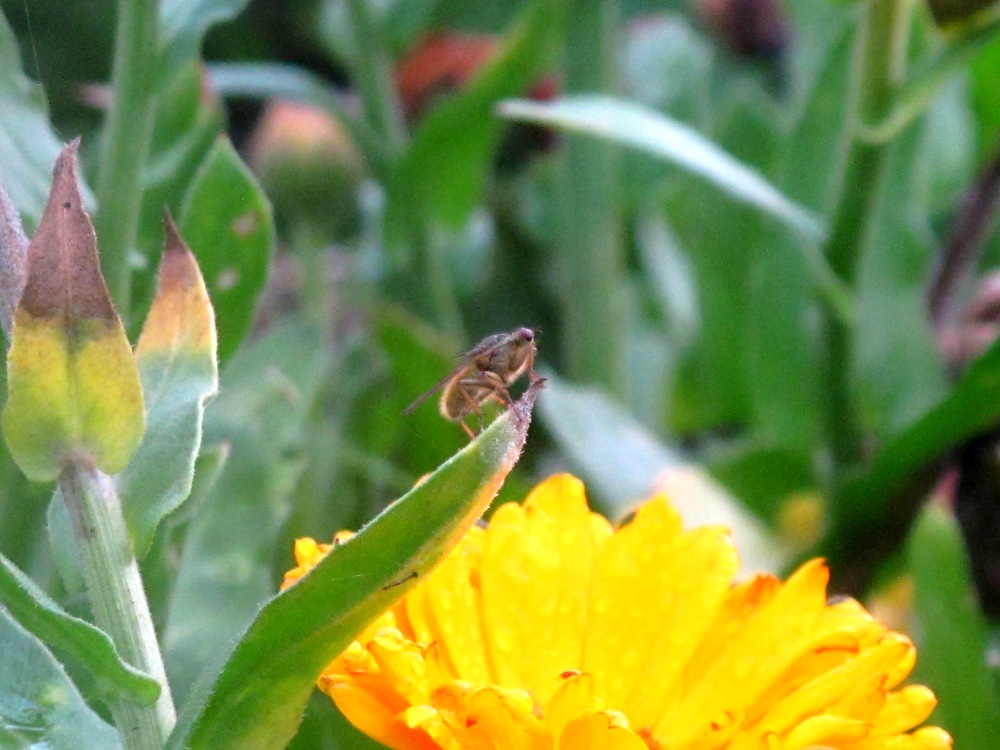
487	346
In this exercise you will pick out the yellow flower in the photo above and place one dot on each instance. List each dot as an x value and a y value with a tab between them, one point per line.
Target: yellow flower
551	629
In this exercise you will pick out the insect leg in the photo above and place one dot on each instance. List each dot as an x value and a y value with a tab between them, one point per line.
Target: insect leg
496	386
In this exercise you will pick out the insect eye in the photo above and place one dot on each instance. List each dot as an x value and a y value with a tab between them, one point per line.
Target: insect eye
526	333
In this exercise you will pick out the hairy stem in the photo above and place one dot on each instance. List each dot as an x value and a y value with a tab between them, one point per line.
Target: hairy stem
114	585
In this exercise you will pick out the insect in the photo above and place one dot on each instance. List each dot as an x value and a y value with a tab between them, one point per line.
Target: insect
484	373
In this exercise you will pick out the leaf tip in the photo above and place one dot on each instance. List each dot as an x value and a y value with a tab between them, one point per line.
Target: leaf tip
181	310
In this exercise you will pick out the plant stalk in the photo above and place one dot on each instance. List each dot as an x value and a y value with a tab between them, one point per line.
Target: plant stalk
589	228
128	132
114	585
373	73
877	70
431	286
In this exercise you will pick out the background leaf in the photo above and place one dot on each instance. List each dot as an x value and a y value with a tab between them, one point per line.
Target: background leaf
864	502
227	223
448	160
228	548
636	126
29	146
39	705
36	612
951	633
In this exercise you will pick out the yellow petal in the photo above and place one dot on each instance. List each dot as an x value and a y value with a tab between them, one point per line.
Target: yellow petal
574	697
492	719
374	719
829	731
600	731
447	610
657	592
536	577
772	637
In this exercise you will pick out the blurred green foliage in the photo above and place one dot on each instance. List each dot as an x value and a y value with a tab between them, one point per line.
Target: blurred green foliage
398	243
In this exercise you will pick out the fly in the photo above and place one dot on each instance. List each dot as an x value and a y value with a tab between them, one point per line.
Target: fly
484	373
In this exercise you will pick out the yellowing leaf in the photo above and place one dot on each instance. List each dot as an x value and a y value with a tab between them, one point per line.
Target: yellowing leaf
176	357
73	389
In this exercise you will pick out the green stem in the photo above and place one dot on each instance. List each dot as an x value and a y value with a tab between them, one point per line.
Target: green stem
126	140
589	228
878	67
373	73
114	585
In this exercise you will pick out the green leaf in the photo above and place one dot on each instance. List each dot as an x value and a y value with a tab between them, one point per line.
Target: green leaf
763	476
188	125
985	78
259	697
184	23
865	501
177	367
444	170
623	465
29	146
226	570
62	544
13	261
86	644
951	633
644	129
39	706
227	223
900	372
781	348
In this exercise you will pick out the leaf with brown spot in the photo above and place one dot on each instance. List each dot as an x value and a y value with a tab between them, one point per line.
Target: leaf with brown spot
227	223
73	389
177	365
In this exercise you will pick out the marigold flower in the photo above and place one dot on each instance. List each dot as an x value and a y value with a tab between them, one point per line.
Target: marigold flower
551	629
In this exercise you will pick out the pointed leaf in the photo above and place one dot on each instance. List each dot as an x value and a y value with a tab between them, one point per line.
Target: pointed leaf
176	360
951	633
73	389
227	223
88	645
39	706
261	692
644	129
